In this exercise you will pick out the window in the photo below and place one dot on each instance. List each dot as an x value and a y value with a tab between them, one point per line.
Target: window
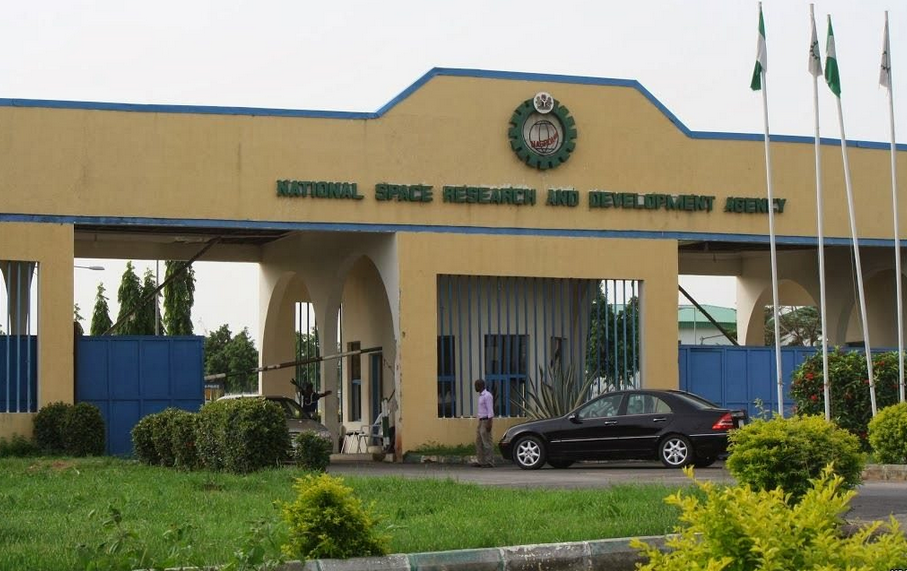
505	372
601	407
646	404
447	398
355	362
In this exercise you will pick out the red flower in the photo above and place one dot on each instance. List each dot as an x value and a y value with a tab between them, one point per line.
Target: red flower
809	376
814	398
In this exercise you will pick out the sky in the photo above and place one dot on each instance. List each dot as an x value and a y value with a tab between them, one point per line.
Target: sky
695	57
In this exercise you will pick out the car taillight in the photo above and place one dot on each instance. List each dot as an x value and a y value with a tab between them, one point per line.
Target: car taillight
726	422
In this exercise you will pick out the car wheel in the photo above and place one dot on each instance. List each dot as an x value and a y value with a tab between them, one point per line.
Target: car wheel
560	464
675	451
529	453
704	462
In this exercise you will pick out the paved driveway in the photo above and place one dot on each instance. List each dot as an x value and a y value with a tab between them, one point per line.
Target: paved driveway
875	500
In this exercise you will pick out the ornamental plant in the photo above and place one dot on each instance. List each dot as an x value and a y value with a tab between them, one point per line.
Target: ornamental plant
326	521
741	529
888	434
311	451
788	453
849	387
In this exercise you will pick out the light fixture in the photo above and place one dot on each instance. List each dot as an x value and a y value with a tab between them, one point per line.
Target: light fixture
95	268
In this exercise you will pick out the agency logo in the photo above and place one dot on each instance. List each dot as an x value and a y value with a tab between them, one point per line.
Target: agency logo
542	133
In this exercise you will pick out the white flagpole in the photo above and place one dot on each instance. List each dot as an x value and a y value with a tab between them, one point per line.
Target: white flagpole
815	67
856	252
771	241
885	79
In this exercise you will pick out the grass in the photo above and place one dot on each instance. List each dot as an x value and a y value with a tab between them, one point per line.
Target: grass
46	504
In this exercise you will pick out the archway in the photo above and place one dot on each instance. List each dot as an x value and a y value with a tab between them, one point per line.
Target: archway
881	309
791	294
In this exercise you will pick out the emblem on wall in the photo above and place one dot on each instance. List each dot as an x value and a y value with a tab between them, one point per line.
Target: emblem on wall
542	133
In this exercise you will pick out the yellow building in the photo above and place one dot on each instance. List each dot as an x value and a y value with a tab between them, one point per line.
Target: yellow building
468	228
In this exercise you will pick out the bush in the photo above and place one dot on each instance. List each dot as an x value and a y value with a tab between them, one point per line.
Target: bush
327	521
312	451
739	528
242	435
849	388
48	427
162	428
18	446
888	434
84	433
788	452
183	432
142	442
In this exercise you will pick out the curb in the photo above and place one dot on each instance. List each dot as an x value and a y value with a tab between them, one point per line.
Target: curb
602	555
885	472
411	458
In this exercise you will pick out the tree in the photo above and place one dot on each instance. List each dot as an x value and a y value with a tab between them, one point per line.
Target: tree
307	347
145	316
179	295
100	316
77	319
798	325
129	295
234	355
611	355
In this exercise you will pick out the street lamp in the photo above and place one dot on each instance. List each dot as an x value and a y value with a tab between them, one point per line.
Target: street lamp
95	268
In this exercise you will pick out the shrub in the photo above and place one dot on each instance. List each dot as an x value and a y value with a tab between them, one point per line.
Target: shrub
788	452
162	428
48	427
142	443
888	434
849	388
17	446
183	433
242	435
84	433
312	451
744	529
327	521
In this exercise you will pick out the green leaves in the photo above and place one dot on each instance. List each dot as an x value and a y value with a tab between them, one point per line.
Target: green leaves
179	296
559	391
888	434
100	316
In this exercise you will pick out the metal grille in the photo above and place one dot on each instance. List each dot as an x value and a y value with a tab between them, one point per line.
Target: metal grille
308	345
19	336
510	331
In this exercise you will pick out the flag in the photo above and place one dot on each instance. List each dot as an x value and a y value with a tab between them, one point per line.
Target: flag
815	60
885	72
831	63
761	56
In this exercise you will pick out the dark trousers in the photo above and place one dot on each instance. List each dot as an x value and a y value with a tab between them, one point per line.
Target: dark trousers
484	444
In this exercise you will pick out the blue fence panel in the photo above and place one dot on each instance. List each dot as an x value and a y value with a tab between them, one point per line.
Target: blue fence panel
129	377
18	373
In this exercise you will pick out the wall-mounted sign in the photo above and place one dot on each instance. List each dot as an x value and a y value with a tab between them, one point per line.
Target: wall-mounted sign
542	133
318	189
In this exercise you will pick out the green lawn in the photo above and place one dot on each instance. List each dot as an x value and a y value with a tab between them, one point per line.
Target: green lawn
45	506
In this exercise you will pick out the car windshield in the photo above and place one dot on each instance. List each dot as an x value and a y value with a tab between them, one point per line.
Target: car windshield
291	408
696	401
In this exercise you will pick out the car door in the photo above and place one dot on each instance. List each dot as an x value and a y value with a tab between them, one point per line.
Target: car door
645	419
591	431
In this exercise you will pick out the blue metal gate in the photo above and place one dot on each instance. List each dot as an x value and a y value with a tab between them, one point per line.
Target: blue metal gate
738	377
129	377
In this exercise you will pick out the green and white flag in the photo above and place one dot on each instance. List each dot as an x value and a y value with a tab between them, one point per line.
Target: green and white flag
832	78
885	72
761	55
815	60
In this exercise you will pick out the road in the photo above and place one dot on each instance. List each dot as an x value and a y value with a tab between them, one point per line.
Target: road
874	500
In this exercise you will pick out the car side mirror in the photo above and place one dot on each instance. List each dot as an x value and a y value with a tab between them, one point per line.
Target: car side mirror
574	419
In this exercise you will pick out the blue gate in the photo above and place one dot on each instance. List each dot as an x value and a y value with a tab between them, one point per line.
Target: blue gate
129	377
736	377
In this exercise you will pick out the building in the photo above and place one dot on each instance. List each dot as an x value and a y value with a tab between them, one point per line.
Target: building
481	224
694	328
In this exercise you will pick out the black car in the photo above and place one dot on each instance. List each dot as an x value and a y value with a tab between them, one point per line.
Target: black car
676	427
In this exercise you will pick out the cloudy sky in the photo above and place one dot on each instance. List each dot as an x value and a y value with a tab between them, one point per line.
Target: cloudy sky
696	57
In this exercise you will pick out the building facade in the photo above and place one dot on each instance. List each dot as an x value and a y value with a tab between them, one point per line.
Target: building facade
480	225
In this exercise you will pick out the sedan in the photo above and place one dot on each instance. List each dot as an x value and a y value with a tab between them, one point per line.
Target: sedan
676	427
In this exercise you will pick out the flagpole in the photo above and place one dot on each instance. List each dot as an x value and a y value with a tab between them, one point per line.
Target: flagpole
815	61
848	186
886	59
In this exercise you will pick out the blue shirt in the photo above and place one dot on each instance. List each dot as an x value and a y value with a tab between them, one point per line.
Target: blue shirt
486	404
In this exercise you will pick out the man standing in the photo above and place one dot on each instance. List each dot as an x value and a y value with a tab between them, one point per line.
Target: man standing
484	445
310	400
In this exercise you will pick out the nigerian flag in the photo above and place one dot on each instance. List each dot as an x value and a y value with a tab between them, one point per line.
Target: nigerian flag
832	78
761	55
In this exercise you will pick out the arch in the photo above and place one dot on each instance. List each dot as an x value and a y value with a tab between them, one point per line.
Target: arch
790	293
278	331
881	310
